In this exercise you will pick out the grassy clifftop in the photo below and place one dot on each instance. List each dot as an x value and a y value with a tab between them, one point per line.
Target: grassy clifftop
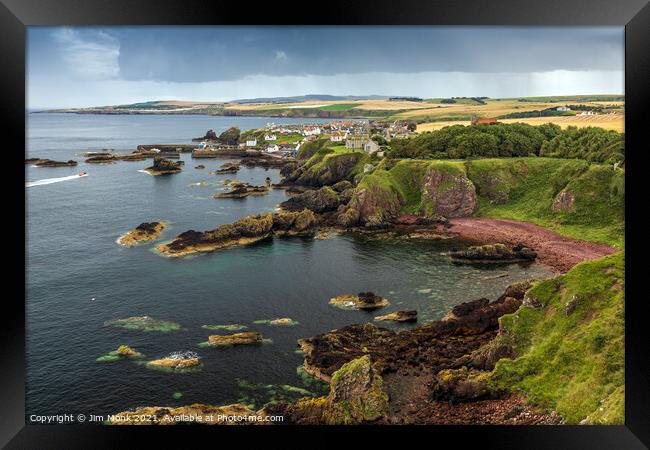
569	349
570	196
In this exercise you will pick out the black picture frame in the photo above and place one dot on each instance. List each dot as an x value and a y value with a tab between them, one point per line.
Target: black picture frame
634	15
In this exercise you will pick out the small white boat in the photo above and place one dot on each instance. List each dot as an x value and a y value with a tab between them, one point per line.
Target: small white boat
83	174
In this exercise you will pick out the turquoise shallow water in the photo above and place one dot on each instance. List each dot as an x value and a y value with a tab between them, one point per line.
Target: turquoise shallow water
72	258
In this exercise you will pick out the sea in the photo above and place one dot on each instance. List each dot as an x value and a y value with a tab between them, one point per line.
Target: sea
78	277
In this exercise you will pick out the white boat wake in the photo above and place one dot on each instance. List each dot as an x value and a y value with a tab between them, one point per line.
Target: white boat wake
52	180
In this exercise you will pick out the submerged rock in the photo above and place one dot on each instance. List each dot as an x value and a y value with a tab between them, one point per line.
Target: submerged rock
400	316
146	231
163	166
229	327
495	253
245	338
284	321
366	301
143	323
200	166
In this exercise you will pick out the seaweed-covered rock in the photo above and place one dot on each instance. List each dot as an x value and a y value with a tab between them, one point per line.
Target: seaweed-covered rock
462	384
176	361
320	201
356	396
247	337
431	347
294	222
242	190
244	231
366	301
399	316
495	253
51	163
146	231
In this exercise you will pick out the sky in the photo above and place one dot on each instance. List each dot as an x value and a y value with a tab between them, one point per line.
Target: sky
96	66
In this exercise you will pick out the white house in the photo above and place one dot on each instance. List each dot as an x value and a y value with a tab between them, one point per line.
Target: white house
338	136
563	108
251	142
370	147
270	137
312	131
273	148
587	113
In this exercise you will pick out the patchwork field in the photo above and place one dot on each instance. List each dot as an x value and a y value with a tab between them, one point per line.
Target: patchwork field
614	122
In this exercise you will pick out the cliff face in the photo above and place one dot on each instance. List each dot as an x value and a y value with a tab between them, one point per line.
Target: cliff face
327	167
425	188
570	196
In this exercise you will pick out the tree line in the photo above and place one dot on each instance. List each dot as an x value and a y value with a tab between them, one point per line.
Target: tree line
514	139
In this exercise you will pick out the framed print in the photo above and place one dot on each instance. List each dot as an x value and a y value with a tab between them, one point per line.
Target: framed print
402	218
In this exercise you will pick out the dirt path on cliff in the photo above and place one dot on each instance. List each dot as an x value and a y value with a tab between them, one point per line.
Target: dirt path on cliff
553	249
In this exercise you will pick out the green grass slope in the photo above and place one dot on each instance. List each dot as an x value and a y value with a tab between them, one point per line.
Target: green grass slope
525	188
570	351
522	189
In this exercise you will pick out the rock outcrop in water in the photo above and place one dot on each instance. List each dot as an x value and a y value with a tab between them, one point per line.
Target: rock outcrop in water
244	338
146	231
399	316
176	361
245	231
242	190
365	301
163	166
494	253
38	162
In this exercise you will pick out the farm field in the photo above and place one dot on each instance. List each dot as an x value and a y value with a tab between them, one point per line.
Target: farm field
614	122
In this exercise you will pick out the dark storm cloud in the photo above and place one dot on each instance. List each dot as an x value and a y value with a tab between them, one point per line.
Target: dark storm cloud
182	54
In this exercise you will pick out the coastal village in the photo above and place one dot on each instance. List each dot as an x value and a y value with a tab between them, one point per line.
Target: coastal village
284	141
